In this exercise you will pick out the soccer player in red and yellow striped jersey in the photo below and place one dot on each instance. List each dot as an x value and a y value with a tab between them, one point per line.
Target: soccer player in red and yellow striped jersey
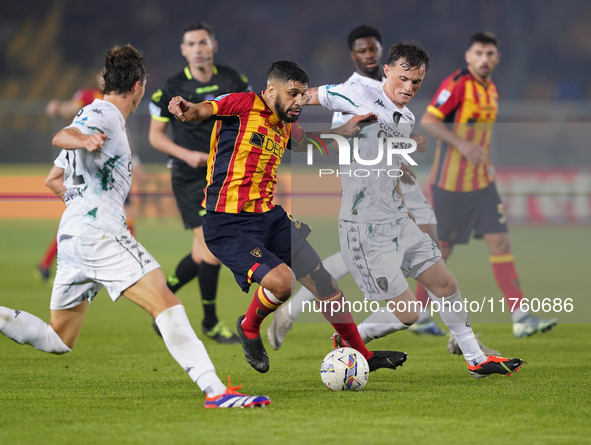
255	239
465	196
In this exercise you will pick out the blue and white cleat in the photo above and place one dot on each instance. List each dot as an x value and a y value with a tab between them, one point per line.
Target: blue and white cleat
233	399
429	327
531	324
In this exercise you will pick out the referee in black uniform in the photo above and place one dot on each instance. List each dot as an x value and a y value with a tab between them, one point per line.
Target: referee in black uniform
189	149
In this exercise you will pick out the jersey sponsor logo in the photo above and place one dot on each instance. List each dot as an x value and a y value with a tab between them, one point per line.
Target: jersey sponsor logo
157	96
73	193
222	96
207	89
154	110
274	147
443	96
256	252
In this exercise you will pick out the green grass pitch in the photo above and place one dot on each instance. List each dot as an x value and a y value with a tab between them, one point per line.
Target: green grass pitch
120	385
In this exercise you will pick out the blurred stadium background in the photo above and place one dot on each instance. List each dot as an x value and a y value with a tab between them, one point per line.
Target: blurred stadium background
52	48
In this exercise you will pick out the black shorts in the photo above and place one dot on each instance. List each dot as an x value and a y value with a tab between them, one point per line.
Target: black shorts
459	213
251	244
189	191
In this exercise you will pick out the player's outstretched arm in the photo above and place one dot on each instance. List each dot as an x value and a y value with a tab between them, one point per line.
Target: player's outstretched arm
72	139
436	128
55	181
348	130
186	111
311	96
66	109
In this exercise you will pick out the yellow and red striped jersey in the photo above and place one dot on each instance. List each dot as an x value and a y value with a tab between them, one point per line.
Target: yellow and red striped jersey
247	144
87	96
471	106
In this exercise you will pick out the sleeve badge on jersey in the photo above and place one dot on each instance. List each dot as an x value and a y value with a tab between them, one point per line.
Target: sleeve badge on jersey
443	96
328	87
154	109
157	96
221	97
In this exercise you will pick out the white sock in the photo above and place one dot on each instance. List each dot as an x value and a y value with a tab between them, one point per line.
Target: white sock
379	324
187	349
424	315
459	325
25	328
517	315
334	265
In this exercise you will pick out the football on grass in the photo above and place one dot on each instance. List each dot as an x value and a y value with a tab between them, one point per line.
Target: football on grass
344	369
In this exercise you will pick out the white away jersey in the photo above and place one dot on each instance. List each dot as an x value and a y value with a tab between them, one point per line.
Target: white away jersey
369	191
342	118
97	183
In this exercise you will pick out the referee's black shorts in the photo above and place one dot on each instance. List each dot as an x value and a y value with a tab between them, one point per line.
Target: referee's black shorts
189	191
460	213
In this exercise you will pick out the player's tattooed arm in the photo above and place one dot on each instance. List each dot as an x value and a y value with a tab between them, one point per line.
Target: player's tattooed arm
311	96
186	111
55	181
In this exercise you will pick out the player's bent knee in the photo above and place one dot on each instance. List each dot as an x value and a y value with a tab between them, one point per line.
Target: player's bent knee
409	317
324	282
451	284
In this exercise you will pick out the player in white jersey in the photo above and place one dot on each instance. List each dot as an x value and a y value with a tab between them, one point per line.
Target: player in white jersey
380	242
365	43
95	248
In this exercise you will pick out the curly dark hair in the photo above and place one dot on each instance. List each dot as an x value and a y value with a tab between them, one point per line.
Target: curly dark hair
287	70
124	66
412	55
361	32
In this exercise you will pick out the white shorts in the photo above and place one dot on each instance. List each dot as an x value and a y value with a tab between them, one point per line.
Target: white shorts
85	265
380	256
416	202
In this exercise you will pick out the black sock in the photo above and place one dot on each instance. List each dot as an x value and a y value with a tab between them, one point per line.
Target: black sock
208	283
186	270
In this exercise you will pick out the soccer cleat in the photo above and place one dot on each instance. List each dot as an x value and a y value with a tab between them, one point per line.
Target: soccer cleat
221	333
338	342
233	399
454	348
495	365
386	359
43	273
279	327
254	351
531	324
429	327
